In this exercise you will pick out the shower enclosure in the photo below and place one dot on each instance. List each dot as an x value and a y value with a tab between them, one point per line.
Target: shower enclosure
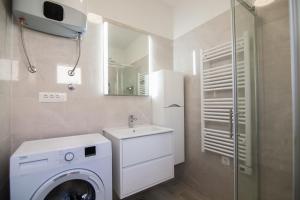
266	151
245	113
295	48
229	112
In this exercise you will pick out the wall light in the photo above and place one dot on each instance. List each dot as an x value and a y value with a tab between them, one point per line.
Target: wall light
151	67
194	63
150	51
261	3
105	57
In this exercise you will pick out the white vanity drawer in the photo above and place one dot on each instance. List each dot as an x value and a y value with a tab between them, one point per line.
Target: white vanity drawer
142	149
143	176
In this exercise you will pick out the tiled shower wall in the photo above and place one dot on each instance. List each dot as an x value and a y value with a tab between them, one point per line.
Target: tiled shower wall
204	170
275	102
87	110
5	76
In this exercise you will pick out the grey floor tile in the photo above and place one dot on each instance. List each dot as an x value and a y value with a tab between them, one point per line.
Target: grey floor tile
172	190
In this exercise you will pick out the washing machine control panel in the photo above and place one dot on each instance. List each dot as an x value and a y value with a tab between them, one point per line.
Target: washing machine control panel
69	156
78	154
90	151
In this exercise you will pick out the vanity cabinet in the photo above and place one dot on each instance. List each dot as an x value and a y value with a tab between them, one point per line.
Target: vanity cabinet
141	161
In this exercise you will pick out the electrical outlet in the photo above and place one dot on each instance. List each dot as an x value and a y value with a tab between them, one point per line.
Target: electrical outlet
225	161
52	97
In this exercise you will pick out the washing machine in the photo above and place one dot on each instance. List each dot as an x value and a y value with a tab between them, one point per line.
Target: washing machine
68	168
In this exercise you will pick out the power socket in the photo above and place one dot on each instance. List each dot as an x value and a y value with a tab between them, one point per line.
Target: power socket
52	97
225	161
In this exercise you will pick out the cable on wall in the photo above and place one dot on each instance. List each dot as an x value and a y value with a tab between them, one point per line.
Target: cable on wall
72	71
30	67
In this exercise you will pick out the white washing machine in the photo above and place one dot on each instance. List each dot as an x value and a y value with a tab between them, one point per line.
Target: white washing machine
68	168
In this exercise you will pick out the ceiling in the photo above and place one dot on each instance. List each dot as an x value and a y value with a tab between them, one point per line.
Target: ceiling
173	3
172	19
189	14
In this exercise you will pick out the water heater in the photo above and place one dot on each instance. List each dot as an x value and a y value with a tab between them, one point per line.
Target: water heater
65	18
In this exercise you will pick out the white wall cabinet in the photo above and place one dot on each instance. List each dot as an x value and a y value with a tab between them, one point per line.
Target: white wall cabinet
168	106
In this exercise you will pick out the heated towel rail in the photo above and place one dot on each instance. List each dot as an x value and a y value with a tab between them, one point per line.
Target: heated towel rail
217	103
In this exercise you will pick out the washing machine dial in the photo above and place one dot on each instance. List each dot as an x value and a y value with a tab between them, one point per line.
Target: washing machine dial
69	156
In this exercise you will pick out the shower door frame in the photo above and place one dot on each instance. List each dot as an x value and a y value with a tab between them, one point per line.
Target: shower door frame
294	10
235	100
235	97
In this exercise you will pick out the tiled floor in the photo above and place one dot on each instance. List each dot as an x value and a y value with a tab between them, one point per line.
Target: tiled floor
172	190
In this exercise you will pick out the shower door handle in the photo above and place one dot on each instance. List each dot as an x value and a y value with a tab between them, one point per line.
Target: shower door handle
231	122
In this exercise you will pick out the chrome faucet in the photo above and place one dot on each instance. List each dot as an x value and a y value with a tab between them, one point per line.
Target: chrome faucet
131	120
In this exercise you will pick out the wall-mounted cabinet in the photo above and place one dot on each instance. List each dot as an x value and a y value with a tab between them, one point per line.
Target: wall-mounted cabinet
141	162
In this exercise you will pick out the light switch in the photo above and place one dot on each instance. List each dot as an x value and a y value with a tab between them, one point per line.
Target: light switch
52	97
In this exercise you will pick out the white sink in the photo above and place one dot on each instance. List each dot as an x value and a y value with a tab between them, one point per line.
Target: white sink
137	131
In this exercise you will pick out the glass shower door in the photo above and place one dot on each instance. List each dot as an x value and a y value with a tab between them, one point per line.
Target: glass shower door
295	66
245	101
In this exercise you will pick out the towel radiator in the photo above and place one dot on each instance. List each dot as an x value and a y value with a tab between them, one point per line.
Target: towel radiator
217	102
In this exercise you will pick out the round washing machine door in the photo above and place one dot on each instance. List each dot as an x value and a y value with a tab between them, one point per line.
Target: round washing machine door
72	185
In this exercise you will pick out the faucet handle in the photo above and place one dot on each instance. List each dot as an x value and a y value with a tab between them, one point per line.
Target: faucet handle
131	120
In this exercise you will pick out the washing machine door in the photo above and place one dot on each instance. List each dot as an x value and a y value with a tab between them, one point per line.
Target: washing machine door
72	185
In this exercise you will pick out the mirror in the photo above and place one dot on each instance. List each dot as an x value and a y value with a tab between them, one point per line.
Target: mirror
126	55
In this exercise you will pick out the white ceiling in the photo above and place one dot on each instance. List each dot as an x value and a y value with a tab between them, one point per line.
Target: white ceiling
167	18
173	3
152	16
188	14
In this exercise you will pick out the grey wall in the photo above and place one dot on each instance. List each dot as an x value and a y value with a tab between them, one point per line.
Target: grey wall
87	109
203	171
5	76
275	102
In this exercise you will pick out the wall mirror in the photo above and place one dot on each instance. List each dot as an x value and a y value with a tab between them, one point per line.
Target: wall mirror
126	61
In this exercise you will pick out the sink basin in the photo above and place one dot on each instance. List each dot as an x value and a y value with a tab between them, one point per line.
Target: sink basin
143	129
137	131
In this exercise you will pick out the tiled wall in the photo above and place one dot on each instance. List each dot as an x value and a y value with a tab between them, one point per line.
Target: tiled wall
87	109
5	76
204	170
275	102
